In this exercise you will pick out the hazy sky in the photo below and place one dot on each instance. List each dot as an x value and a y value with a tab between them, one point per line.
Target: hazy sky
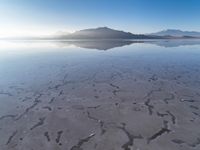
21	17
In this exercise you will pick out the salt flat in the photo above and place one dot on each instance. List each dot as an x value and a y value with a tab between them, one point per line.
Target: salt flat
57	96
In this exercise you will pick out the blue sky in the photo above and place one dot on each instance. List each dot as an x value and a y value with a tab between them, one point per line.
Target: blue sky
137	16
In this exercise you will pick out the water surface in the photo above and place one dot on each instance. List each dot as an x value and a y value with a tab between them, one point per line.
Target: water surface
110	93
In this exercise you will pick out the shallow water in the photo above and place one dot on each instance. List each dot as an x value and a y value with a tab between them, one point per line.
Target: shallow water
101	91
23	61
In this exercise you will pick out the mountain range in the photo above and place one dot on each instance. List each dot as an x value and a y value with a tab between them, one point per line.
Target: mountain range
177	33
108	33
103	33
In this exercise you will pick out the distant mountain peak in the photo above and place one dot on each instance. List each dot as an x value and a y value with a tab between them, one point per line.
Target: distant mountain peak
102	33
172	30
98	29
103	28
177	33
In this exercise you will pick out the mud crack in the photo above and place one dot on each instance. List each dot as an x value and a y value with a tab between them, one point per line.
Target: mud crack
150	107
173	118
160	132
41	122
82	141
130	136
101	123
11	137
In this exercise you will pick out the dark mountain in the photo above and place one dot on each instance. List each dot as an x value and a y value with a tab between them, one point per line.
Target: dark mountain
105	33
177	33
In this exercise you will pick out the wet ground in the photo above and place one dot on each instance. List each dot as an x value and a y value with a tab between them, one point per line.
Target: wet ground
142	96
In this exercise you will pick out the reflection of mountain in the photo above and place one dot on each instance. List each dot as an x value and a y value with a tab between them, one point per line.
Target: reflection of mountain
94	44
99	44
110	44
175	43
